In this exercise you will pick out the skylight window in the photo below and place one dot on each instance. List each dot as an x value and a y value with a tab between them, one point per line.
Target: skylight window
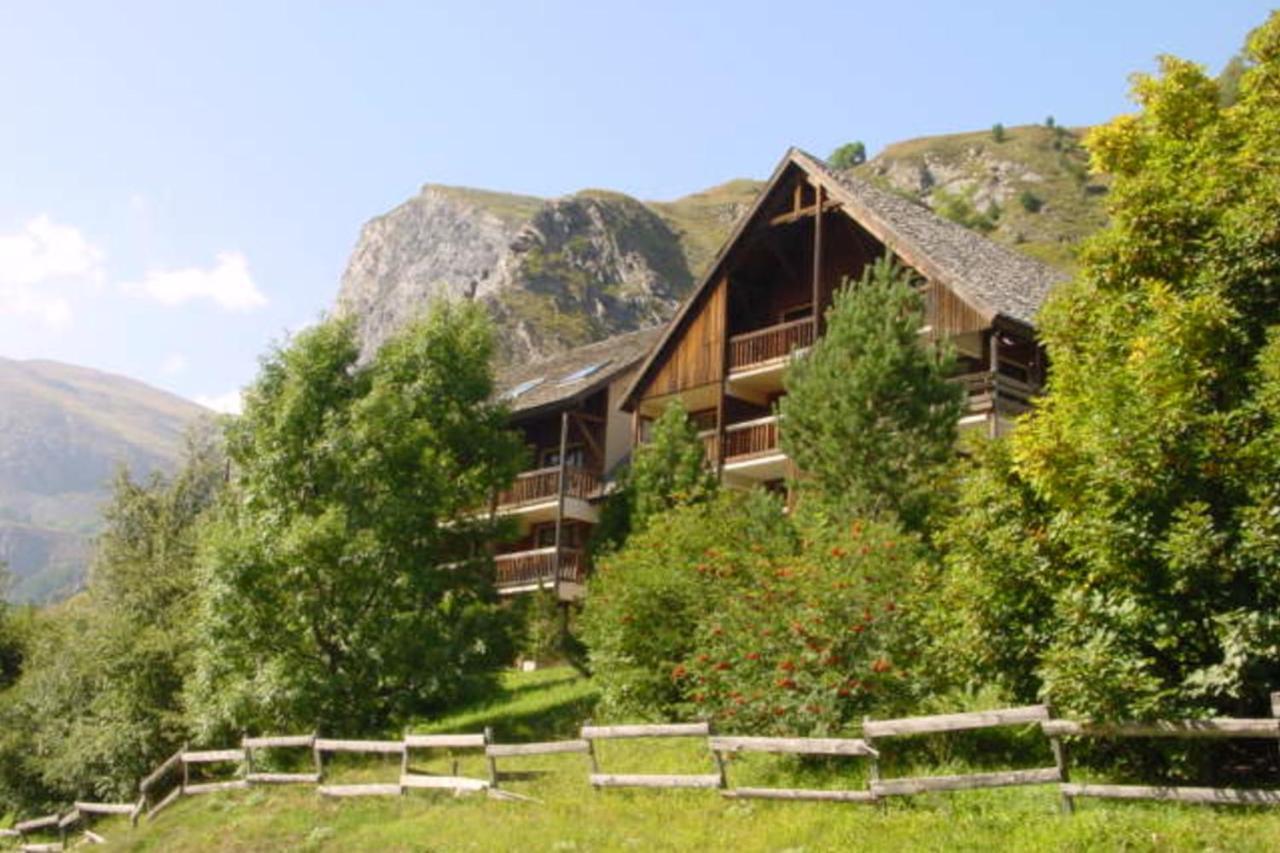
523	388
582	373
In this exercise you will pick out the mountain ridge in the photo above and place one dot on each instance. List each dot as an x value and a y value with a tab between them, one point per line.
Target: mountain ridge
566	271
64	430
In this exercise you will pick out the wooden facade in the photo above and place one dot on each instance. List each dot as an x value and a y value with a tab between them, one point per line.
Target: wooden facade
764	302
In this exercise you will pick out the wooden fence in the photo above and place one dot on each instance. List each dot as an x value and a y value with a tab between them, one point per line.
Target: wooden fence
172	778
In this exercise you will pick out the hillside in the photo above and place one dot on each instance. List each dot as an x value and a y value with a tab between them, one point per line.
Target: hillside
566	814
1032	191
63	432
557	273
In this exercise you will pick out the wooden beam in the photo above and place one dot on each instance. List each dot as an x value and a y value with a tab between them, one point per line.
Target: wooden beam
588	437
955	722
660	730
560	496
1211	796
646	780
803	213
507	750
793	745
816	301
800	794
970	781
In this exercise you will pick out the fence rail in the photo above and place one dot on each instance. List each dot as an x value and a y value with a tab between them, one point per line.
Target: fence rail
156	796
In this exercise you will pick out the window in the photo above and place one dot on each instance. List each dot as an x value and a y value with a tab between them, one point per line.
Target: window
523	388
582	373
573	457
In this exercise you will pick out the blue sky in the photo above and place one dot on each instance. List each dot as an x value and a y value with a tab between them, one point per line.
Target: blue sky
181	183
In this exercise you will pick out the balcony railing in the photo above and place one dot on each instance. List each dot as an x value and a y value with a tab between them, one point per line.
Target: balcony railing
544	485
987	391
764	345
526	568
751	438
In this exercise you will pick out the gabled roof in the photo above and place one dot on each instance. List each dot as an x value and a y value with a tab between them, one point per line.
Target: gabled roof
996	281
992	278
570	376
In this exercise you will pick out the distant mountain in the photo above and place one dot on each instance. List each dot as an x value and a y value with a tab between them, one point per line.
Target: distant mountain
557	273
63	432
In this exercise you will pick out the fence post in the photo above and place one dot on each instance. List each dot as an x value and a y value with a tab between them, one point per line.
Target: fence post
1061	758
493	762
1275	704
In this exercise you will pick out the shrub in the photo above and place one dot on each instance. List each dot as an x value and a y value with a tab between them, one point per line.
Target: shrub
848	155
1030	202
646	601
810	642
997	132
959	208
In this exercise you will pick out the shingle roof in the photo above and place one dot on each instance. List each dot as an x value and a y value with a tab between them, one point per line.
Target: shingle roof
546	378
994	280
990	275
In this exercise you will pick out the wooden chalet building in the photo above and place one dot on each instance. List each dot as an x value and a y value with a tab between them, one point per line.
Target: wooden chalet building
567	409
762	302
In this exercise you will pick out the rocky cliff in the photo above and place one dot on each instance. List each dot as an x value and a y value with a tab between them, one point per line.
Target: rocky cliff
555	273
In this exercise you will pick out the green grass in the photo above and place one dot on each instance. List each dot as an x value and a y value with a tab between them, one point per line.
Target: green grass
570	816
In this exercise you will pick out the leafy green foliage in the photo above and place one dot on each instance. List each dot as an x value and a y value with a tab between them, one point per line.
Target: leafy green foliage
1030	202
99	700
869	414
848	155
670	469
803	644
646	601
11	639
342	587
959	208
1145	478
997	132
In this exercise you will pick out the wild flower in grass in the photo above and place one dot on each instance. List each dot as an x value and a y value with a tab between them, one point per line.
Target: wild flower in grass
880	665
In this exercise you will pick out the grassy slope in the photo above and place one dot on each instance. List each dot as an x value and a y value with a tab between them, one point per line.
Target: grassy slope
1073	200
570	816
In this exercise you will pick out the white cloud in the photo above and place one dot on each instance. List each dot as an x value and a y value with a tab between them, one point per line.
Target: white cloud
173	364
227	283
40	260
229	403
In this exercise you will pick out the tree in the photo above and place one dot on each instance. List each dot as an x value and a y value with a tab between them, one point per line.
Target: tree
1148	469
99	701
869	414
671	469
11	641
848	155
997	132
345	584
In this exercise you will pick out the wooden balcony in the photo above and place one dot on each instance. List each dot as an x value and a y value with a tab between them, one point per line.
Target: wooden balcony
752	349
751	438
528	569
994	392
543	484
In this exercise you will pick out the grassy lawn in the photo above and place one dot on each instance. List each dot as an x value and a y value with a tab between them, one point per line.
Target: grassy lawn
569	815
